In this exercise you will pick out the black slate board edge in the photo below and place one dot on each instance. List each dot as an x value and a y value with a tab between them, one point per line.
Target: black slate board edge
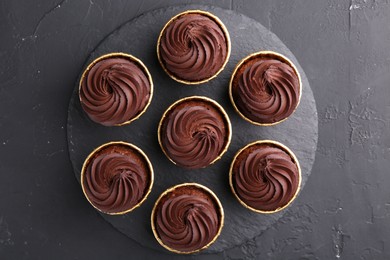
74	103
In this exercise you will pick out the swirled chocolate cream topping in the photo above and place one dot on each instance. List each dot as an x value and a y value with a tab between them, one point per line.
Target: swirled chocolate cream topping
194	132
265	177
193	47
187	219
114	90
116	178
266	89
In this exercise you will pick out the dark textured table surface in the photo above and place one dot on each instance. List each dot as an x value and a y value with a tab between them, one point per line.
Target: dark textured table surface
344	209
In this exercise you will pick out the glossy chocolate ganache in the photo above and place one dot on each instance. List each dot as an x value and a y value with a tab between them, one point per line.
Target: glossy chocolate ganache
116	178
114	90
193	47
187	219
265	177
266	90
194	133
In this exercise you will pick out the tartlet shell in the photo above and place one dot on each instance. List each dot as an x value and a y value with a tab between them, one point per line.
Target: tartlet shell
132	147
228	44
138	62
276	56
198	186
284	148
204	99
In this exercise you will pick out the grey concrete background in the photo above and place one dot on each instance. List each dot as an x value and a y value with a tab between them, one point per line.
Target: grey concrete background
344	210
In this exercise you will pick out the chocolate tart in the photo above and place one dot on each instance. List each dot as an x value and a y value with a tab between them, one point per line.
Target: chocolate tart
116	178
187	218
194	132
193	47
265	88
115	89
265	176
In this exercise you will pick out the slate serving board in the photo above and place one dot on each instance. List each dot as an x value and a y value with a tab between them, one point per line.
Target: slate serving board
138	37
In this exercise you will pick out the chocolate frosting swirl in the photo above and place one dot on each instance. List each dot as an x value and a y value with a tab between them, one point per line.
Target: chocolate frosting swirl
193	134
114	91
265	177
267	91
193	47
115	182
186	222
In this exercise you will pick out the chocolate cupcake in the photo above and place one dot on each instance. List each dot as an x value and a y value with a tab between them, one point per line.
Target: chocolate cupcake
265	88
194	132
193	47
115	89
187	218
116	178
265	176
